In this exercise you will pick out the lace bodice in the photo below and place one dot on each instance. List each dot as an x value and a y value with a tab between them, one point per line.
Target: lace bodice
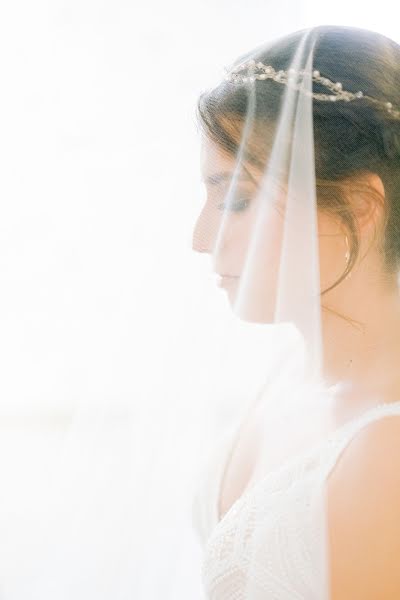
279	509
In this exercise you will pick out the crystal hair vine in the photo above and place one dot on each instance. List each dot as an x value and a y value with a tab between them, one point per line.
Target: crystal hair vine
289	78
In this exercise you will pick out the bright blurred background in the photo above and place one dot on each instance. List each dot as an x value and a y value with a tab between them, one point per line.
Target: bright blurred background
116	373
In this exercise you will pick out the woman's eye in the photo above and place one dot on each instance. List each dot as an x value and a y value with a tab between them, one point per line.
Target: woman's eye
235	206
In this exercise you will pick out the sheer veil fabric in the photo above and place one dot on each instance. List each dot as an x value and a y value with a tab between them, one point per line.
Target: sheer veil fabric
281	250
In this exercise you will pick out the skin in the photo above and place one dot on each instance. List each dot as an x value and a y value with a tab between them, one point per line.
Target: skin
366	357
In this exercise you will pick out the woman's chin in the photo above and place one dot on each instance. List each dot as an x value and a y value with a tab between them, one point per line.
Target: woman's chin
253	314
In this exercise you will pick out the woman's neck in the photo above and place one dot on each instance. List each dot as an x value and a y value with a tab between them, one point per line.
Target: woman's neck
365	357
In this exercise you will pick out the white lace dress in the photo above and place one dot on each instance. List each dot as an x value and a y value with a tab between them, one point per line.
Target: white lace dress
291	565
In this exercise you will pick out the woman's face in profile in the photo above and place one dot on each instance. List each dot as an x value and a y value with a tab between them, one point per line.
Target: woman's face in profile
244	235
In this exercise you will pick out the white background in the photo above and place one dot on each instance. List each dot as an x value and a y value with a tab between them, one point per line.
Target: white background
111	329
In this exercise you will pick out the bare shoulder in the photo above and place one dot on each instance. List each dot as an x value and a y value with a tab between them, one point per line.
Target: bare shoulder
363	512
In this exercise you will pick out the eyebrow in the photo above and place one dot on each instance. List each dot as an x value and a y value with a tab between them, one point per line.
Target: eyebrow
217	178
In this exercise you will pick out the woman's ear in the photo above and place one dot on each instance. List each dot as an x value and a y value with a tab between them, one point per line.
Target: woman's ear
368	205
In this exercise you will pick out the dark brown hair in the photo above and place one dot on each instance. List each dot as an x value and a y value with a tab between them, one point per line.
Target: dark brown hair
351	138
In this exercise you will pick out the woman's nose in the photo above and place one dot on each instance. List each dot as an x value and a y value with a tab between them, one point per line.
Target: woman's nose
205	231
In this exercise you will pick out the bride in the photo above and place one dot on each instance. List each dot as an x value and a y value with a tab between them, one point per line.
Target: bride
301	164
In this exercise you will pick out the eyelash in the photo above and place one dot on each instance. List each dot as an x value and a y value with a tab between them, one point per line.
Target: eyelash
245	200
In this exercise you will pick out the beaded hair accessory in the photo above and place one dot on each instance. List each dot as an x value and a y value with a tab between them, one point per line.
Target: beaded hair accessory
289	78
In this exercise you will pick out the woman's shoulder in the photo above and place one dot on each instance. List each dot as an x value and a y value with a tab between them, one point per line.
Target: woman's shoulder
363	508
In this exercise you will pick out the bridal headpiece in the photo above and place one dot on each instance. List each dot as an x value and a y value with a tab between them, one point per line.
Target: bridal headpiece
290	78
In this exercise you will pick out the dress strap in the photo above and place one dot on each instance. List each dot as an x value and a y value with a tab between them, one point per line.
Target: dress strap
338	443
